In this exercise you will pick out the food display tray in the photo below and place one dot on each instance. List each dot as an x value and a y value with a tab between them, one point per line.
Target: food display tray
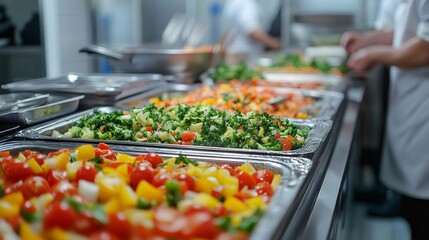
142	99
99	89
326	81
279	210
13	101
6	129
56	105
326	103
325	106
316	136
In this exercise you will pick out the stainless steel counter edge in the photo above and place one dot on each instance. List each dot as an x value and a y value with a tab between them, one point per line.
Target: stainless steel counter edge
331	197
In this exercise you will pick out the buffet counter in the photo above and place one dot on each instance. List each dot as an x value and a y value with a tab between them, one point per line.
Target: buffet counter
326	194
315	204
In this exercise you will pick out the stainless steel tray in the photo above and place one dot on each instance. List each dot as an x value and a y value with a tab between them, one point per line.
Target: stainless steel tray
56	105
326	81
99	89
13	101
6	129
280	208
142	99
325	106
320	129
326	103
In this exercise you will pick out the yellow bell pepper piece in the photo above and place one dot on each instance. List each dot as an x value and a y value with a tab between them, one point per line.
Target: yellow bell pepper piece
140	217
15	198
149	192
111	206
210	172
21	157
247	168
122	171
195	171
84	152
58	234
255	203
234	204
109	186
61	161
204	185
121	157
8	209
221	174
170	164
72	168
230	189
26	233
33	164
127	197
206	200
276	181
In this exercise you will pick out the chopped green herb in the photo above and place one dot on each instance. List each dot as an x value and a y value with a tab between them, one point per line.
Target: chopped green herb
249	223
30	217
174	195
184	160
143	204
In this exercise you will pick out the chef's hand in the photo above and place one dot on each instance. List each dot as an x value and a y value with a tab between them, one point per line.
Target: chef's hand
363	60
353	41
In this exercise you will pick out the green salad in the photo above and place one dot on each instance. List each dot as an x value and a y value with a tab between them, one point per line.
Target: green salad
298	61
182	124
239	71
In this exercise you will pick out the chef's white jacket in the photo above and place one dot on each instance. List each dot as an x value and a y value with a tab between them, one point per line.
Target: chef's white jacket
405	163
241	17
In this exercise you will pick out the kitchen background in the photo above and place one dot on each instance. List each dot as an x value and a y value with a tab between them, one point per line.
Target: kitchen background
68	25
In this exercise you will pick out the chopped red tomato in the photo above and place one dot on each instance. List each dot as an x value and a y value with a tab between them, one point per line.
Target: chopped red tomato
183	177
141	172
60	215
263	175
188	136
118	225
153	158
244	179
87	172
35	186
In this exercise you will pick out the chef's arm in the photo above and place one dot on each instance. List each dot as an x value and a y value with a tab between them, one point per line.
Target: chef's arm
412	54
267	40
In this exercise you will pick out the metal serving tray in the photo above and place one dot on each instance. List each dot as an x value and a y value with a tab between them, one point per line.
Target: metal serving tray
19	100
279	210
6	129
99	89
56	105
172	89
320	129
326	103
328	82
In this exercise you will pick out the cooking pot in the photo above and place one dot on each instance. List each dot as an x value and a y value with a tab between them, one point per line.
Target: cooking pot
184	64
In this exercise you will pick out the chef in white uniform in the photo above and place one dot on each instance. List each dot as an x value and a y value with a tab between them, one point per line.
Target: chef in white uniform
353	41
405	162
244	37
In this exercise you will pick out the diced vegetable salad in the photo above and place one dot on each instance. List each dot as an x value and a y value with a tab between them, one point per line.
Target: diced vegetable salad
298	63
182	124
243	97
239	71
94	193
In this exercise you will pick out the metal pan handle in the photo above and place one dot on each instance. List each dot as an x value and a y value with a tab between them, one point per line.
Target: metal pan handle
93	49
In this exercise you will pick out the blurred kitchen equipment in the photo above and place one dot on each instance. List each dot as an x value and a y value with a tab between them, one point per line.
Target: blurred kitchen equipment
184	64
98	89
173	31
184	31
